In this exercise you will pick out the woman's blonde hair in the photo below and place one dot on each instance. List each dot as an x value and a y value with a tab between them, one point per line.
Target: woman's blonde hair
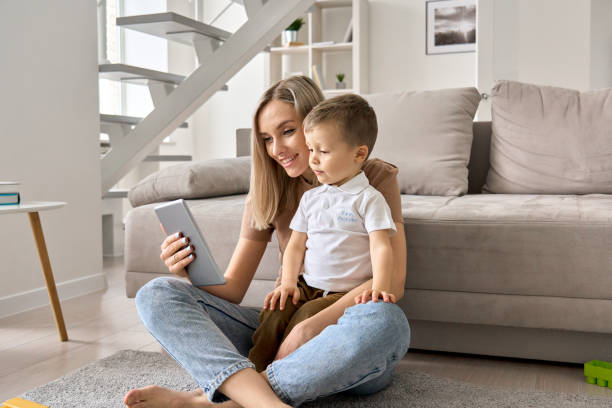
272	190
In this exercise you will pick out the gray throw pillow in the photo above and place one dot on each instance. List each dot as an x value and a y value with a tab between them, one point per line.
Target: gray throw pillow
549	140
209	178
428	136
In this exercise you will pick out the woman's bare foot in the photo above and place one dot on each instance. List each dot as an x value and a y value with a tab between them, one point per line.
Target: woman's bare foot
160	397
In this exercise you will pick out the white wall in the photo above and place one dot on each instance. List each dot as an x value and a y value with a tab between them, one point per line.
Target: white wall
601	44
497	53
215	123
565	43
397	51
554	43
49	142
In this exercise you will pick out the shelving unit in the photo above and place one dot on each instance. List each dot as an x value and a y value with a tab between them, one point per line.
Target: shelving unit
327	21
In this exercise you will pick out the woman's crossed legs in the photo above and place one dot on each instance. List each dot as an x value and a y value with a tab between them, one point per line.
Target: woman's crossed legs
211	337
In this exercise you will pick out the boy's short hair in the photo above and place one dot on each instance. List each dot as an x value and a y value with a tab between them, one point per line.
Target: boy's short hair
355	118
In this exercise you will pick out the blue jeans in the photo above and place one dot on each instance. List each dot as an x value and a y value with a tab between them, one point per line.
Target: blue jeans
211	337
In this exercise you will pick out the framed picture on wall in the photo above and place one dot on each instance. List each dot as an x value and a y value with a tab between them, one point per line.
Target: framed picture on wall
451	26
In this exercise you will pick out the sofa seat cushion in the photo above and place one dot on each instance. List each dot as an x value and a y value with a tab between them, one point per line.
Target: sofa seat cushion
510	244
218	218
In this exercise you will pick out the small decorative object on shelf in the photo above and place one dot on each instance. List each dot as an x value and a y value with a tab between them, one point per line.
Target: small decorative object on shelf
290	33
340	84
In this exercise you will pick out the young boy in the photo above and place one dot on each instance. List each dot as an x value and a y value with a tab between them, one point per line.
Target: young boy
340	230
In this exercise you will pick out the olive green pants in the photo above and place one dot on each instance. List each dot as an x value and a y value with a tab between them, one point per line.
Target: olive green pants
275	325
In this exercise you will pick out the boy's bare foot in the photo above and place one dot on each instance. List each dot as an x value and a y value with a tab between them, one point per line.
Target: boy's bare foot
159	397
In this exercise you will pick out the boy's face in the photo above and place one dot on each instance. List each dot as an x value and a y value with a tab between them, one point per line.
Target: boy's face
332	159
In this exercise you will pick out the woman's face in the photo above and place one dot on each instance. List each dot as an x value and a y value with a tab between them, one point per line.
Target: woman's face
281	131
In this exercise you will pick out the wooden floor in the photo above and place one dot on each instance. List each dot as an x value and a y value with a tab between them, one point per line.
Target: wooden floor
105	322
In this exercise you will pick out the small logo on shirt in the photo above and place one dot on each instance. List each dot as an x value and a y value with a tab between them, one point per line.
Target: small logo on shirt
346	216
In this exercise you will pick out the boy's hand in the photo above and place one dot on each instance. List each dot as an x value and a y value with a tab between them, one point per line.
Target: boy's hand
374	295
282	292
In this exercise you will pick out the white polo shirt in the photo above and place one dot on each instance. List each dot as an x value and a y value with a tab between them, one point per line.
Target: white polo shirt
337	221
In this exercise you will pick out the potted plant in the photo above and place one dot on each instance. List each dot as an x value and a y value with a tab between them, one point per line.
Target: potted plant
290	33
340	84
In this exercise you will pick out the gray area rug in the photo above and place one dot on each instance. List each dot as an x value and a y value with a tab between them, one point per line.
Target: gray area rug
104	383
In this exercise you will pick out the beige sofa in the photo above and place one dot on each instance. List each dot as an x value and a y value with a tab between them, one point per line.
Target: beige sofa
517	275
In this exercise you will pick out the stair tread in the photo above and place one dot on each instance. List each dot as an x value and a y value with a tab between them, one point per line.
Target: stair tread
127	120
138	75
168	25
333	3
116	193
124	72
169	157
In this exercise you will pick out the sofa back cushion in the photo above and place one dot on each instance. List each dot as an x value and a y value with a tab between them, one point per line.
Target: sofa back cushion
550	140
428	136
208	178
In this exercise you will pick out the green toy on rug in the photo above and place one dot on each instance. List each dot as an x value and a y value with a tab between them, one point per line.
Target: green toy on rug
598	372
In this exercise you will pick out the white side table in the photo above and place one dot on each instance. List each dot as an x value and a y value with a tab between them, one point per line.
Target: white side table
32	208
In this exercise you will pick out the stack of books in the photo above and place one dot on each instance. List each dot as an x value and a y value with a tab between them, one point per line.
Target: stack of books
9	193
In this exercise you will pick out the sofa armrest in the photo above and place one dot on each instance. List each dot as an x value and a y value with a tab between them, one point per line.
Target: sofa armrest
209	178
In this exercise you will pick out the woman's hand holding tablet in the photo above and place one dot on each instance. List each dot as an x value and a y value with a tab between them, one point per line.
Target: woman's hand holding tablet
202	270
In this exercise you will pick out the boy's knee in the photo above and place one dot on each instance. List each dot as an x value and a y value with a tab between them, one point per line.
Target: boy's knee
385	312
391	316
396	323
389	321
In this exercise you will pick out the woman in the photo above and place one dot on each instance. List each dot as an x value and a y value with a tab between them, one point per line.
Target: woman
345	347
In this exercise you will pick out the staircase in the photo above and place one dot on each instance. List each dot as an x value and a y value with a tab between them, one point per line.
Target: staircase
220	54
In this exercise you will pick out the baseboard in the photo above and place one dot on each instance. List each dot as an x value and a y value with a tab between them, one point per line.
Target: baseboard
32	299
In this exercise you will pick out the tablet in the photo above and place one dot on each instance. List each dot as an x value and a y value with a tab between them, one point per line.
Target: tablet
176	217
